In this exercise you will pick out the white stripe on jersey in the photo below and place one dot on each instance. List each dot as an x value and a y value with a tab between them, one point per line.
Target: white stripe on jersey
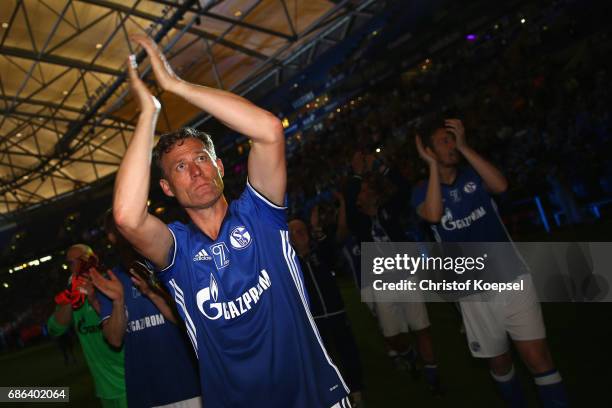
295	275
191	330
180	301
173	253
262	198
343	403
291	256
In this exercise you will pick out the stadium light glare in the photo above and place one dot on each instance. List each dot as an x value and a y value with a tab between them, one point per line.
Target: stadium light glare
64	266
45	258
523	21
6	285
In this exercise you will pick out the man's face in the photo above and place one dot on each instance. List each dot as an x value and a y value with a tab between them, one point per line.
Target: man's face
191	175
445	148
75	257
298	235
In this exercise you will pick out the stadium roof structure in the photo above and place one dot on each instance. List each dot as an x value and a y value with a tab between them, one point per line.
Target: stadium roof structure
66	114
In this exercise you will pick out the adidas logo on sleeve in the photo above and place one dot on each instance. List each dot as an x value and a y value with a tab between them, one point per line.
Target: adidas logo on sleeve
202	256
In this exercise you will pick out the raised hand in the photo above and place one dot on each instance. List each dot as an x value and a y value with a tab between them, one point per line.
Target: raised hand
423	153
164	74
141	284
455	126
146	101
83	284
111	287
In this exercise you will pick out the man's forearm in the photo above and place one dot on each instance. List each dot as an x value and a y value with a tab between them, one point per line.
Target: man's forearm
132	182
233	110
431	209
491	176
163	307
115	326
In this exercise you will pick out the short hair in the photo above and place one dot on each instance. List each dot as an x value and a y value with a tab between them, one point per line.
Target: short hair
84	250
429	127
167	141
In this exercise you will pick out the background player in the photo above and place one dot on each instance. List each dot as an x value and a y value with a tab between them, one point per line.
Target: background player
79	306
454	193
160	369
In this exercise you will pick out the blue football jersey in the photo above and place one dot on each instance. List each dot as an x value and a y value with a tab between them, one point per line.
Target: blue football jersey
244	304
159	365
470	214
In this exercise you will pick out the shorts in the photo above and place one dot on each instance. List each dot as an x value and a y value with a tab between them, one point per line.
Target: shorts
401	317
195	402
488	324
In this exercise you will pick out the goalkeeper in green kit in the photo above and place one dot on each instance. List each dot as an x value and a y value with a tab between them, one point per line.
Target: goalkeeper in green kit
78	305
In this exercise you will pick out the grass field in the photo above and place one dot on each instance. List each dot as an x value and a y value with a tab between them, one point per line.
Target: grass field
43	365
579	336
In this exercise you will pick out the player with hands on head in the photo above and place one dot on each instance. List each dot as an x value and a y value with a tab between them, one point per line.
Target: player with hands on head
456	201
231	269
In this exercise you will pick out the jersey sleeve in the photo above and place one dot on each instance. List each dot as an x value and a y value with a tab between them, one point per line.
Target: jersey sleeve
179	232
55	328
252	201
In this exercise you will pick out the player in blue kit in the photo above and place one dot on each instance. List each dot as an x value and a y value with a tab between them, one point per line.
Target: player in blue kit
233	273
160	367
456	202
